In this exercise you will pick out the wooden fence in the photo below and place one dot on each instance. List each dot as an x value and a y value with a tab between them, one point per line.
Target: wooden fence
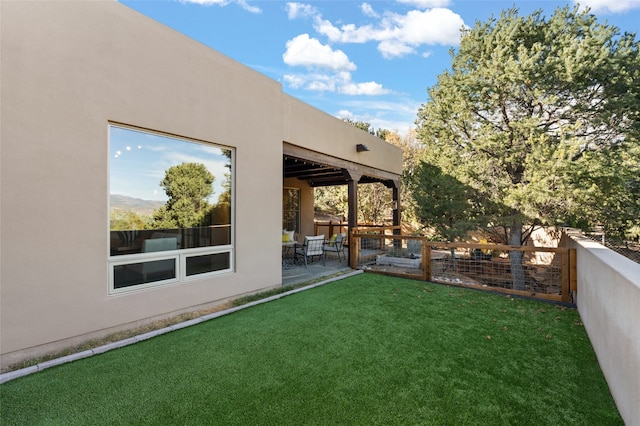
541	272
329	228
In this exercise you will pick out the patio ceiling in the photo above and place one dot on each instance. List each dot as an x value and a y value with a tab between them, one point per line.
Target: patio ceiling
318	173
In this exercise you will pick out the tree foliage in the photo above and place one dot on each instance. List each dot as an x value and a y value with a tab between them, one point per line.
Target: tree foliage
443	203
125	220
188	186
375	201
542	117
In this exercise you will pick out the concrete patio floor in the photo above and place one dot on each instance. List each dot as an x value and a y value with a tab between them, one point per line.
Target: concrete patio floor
296	273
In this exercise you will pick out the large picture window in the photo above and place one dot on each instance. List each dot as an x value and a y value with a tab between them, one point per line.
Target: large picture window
170	208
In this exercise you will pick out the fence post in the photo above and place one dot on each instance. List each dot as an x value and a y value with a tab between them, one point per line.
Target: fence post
564	270
426	259
573	270
354	248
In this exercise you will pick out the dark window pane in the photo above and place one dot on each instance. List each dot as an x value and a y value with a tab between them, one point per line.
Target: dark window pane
143	272
208	263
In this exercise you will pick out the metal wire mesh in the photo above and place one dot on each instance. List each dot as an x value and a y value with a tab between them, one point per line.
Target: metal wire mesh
532	271
629	249
480	266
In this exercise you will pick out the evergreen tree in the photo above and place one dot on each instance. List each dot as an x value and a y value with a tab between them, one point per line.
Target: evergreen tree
534	115
188	186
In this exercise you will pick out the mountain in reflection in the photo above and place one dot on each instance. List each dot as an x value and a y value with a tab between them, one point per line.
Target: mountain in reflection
136	205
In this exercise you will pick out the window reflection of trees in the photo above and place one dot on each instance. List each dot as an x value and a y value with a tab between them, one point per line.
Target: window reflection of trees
196	179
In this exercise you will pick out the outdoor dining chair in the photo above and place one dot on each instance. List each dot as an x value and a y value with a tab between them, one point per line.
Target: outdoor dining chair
312	247
335	246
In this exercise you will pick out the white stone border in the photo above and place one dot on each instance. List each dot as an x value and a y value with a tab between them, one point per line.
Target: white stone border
11	375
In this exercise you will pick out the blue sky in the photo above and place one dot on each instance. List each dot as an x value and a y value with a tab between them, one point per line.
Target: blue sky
368	61
138	162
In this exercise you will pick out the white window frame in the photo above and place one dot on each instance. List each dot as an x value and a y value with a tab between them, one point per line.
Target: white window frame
179	256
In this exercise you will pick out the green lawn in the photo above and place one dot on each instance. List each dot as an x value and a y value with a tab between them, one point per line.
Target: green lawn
365	350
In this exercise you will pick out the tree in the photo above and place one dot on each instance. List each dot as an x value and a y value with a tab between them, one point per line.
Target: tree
188	186
412	152
375	200
125	220
529	104
443	203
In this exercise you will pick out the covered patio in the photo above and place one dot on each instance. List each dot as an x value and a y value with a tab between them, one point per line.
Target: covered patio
304	170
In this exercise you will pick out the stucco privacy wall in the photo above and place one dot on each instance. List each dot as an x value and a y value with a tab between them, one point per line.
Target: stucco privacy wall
609	305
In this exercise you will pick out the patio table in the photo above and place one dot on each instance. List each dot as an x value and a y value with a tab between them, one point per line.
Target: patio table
288	255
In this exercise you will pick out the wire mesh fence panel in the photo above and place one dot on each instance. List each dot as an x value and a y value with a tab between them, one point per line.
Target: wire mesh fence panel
540	272
392	255
628	249
503	269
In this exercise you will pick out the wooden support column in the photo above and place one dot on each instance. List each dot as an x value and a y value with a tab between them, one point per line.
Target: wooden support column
352	190
397	207
397	211
352	220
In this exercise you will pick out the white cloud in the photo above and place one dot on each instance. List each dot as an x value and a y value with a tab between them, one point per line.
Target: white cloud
398	116
300	10
347	33
327	29
343	113
432	27
404	106
222	3
369	88
609	6
309	52
335	83
316	82
248	7
394	48
399	35
367	10
207	2
426	4
242	3
321	86
294	81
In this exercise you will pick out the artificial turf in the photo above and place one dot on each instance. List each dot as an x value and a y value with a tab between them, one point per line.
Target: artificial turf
366	350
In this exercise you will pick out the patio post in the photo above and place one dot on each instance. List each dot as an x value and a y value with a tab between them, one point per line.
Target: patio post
352	190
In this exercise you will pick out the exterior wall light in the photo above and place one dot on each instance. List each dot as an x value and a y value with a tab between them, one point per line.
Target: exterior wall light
361	147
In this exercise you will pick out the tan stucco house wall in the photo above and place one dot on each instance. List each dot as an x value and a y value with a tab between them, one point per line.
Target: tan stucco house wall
68	70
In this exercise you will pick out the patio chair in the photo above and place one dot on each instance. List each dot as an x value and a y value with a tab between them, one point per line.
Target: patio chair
335	246
312	247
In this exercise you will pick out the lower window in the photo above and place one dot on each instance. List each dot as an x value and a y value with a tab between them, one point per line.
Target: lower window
135	273
203	264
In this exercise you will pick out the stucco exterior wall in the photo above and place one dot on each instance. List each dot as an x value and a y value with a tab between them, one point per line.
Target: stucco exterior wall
318	131
69	69
609	305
